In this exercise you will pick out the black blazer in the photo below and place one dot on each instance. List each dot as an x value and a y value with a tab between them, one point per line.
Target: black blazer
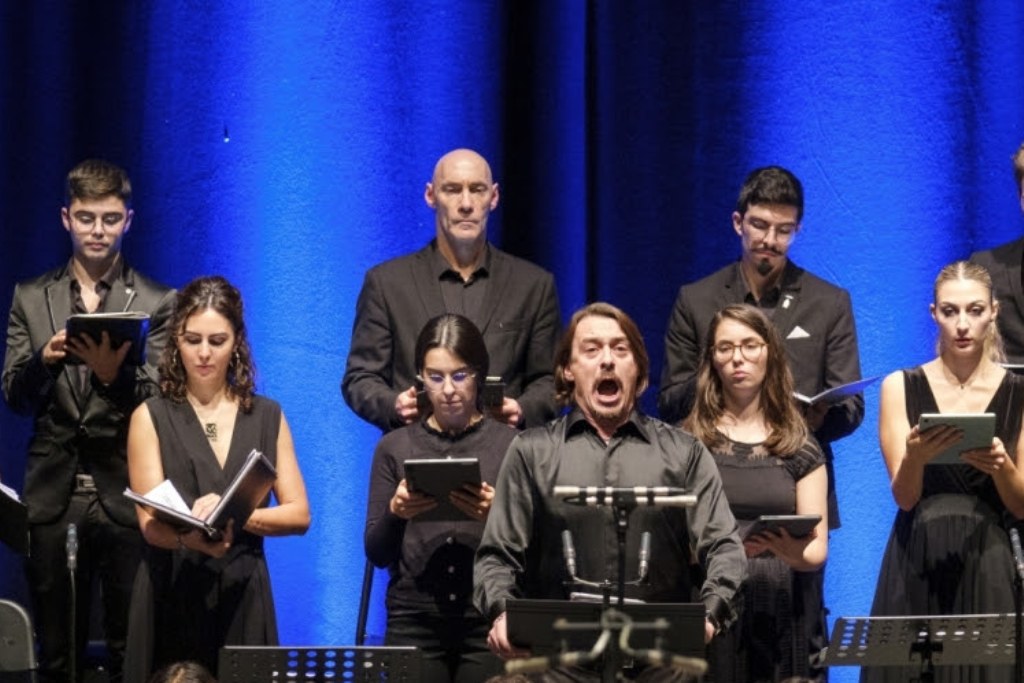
519	320
76	429
1004	265
815	320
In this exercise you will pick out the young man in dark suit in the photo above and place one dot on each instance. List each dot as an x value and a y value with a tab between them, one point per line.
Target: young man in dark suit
513	302
77	469
814	318
1004	265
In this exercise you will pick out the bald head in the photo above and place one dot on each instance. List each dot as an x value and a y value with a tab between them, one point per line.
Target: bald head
465	158
462	195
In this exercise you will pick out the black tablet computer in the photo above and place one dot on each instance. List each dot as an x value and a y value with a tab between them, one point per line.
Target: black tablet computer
437	477
978	429
798	526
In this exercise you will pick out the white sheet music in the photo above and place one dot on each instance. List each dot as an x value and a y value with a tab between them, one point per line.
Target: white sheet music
167	495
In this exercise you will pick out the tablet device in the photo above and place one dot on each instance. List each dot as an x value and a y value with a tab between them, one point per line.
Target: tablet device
798	526
130	326
978	429
437	477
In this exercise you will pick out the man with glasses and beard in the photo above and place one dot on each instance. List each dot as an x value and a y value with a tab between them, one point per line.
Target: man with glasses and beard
814	317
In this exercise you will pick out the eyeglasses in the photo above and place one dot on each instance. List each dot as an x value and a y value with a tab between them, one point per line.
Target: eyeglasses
749	349
434	381
85	221
784	232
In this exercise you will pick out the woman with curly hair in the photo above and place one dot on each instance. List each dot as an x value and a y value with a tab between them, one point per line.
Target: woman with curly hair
193	595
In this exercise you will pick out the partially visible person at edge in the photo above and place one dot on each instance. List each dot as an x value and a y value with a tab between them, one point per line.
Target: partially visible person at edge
601	368
193	595
770	465
1003	264
79	392
430	560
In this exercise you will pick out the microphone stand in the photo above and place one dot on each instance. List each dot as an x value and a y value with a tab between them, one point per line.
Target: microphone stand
1018	605
72	558
611	619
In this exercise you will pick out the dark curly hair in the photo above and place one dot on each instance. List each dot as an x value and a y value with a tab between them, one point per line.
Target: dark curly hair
215	293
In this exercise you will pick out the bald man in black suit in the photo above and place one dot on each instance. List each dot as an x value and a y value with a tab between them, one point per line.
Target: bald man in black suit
513	302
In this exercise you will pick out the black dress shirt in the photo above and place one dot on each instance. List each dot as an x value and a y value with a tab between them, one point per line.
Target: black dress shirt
430	562
520	555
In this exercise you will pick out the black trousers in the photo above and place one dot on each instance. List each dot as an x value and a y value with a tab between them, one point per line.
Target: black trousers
108	552
454	648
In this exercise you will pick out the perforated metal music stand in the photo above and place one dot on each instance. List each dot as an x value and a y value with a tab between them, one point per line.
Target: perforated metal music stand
345	664
923	641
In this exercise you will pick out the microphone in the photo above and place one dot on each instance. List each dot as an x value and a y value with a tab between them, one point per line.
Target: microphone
645	554
669	496
71	546
569	553
1018	554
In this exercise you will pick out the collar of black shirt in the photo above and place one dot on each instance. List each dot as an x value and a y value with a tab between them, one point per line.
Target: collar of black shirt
444	271
577	423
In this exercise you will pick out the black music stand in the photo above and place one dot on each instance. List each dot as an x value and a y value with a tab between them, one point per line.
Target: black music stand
13	524
923	641
531	624
351	664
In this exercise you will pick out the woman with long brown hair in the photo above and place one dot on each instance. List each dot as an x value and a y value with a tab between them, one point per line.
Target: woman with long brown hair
770	465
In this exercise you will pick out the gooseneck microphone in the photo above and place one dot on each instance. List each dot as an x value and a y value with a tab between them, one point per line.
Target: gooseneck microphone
668	496
71	546
645	556
1018	554
569	553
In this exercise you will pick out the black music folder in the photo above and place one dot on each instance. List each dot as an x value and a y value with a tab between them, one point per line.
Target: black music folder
244	494
130	326
13	521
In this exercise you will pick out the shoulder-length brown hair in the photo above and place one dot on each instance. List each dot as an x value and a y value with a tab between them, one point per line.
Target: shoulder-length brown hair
564	389
787	430
215	293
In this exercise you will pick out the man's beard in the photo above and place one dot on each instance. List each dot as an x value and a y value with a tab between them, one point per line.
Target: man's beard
764	267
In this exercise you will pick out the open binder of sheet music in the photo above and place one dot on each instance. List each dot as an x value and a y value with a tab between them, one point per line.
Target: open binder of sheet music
244	494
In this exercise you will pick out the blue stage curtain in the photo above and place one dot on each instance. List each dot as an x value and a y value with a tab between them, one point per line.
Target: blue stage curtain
286	146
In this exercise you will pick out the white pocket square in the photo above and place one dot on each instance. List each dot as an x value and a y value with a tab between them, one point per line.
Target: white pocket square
798	333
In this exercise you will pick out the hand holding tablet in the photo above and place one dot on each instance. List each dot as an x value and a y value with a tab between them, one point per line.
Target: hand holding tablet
978	430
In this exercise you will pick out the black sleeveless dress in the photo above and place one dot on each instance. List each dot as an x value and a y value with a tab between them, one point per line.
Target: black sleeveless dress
186	605
951	553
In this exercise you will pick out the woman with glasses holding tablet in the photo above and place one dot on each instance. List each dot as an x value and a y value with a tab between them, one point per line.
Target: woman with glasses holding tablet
770	465
949	552
429	595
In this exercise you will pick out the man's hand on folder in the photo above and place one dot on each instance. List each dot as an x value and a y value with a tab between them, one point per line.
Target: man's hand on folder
103	359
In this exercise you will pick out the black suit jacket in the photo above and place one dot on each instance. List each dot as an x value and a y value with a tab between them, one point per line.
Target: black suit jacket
815	320
519	320
75	428
1004	265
